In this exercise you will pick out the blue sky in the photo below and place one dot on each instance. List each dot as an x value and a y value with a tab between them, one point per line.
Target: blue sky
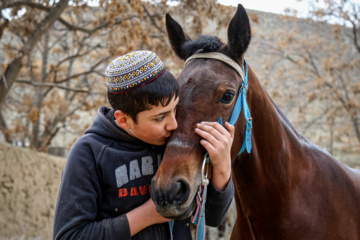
275	6
278	6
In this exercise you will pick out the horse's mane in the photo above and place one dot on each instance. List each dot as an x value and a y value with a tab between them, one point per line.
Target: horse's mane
204	42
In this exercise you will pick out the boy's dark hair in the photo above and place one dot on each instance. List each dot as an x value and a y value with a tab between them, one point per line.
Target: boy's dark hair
137	81
160	91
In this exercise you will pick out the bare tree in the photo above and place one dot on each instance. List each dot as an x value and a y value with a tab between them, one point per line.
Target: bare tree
65	64
12	70
47	82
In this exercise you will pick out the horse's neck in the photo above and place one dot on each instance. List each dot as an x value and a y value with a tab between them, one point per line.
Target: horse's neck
272	131
274	141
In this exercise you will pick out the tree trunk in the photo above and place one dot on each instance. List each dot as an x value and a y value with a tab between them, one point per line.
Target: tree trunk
331	142
36	141
356	127
3	128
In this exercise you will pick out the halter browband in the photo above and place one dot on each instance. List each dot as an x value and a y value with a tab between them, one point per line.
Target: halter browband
220	57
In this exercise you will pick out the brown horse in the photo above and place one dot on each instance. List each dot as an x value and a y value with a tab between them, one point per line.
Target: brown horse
286	187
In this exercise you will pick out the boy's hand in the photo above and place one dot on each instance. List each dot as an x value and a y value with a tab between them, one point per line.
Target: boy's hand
217	141
143	216
155	216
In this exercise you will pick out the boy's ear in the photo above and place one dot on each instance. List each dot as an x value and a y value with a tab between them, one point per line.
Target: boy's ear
122	119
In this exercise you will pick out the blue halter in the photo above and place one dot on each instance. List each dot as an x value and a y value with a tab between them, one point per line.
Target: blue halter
241	100
241	103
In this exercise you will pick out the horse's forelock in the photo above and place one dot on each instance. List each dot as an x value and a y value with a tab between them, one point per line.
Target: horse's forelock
205	43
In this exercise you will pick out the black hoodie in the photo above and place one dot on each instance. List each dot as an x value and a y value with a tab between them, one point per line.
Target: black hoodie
107	174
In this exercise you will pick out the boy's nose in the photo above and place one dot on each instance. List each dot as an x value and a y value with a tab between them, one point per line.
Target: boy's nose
172	124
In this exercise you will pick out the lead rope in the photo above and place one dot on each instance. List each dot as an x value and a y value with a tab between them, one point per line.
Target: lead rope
171	226
199	217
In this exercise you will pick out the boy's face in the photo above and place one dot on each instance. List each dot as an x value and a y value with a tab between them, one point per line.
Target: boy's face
155	126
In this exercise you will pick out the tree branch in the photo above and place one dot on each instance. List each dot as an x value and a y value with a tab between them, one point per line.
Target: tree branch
50	138
37	84
61	20
355	38
314	120
153	20
27	3
84	73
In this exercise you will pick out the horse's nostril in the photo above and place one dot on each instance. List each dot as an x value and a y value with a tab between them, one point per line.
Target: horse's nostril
179	192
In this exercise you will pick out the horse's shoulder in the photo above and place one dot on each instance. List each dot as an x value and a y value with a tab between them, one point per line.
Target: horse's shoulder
329	163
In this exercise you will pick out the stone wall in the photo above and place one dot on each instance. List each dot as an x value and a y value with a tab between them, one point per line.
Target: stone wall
29	183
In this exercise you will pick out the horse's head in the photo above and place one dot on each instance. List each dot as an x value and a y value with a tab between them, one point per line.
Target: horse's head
209	90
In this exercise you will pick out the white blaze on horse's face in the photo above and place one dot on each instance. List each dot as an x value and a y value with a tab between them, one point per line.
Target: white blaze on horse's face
178	143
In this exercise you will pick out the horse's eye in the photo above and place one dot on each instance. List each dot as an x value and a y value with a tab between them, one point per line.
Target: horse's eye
227	97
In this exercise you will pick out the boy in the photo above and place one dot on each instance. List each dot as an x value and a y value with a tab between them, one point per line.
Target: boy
105	186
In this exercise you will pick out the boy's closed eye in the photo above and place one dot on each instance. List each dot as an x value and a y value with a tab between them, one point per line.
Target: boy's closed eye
160	118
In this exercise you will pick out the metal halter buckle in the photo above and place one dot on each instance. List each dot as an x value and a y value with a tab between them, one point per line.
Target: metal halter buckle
204	179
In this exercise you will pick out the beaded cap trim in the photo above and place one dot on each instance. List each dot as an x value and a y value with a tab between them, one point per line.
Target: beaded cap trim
133	70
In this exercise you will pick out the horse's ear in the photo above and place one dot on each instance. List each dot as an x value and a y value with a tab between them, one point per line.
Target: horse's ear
239	33
177	36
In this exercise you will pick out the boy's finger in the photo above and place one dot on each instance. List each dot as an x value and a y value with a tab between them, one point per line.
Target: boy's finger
212	131
208	146
230	128
214	125
205	134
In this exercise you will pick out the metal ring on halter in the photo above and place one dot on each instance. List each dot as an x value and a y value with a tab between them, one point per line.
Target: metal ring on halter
204	179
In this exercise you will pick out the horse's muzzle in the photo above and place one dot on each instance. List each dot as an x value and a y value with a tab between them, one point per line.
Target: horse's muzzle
173	201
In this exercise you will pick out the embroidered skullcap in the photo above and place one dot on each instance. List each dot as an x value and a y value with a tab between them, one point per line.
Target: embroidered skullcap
133	70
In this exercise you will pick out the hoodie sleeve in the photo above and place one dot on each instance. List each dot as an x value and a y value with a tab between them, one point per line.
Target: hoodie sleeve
218	203
79	195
